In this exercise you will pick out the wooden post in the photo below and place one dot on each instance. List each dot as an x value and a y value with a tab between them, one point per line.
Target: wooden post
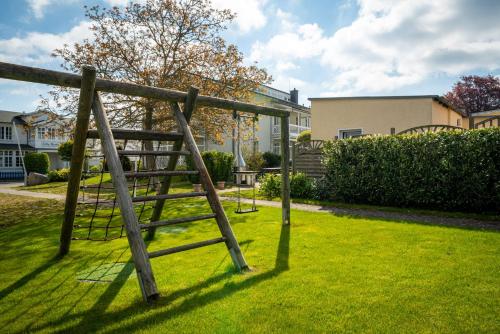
189	107
294	154
137	244
78	156
285	169
212	197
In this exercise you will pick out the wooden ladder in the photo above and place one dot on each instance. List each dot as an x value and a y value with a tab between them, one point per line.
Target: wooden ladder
140	255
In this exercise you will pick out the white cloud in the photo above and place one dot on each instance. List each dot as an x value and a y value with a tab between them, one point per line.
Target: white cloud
38	7
249	13
35	47
392	44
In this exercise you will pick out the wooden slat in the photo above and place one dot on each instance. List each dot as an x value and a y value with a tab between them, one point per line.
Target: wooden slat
157	153
186	247
56	78
177	221
168	196
135	240
131	134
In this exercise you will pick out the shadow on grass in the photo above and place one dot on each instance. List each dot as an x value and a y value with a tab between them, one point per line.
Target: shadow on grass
88	318
28	277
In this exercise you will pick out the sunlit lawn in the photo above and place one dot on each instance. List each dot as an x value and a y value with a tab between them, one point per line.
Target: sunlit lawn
324	274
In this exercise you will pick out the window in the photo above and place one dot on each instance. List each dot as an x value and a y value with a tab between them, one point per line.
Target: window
276	147
276	121
459	122
46	133
6	158
349	133
6	132
19	162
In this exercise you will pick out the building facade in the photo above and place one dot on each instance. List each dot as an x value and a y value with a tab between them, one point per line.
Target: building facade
343	117
40	131
267	128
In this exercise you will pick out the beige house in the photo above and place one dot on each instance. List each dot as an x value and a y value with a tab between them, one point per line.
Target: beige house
343	117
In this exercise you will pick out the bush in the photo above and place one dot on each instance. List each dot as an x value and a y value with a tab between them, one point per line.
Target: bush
444	170
219	166
36	162
65	150
58	175
301	186
271	160
125	162
270	186
254	161
304	136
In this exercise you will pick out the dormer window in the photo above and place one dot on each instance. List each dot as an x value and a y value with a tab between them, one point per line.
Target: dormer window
5	132
46	133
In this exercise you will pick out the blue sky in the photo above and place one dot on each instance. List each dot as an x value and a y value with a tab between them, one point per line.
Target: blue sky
321	47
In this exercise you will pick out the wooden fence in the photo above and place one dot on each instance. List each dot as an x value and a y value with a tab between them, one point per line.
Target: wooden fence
307	159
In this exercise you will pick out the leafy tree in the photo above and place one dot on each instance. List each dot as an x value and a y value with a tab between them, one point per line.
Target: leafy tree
65	150
304	136
475	93
163	43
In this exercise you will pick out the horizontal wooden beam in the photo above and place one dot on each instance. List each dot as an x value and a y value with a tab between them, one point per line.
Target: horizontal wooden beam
186	247
131	134
56	78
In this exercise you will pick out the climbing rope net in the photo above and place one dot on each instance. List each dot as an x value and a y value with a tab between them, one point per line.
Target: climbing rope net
98	216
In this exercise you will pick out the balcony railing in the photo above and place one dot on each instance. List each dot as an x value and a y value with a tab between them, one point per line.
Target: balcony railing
294	130
47	143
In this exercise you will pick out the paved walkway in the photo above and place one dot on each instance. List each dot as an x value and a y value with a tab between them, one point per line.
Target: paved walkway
8	188
427	219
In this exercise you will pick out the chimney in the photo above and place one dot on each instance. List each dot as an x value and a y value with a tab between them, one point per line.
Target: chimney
294	96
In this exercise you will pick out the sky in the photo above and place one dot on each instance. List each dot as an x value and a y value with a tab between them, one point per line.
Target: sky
321	47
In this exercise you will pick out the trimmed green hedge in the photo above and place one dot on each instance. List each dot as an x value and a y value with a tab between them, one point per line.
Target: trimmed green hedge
219	166
37	162
445	170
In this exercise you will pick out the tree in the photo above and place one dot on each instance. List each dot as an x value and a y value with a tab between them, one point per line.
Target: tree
162	43
65	150
475	93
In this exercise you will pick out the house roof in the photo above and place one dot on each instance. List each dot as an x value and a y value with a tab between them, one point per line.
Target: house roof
7	116
495	112
436	98
14	147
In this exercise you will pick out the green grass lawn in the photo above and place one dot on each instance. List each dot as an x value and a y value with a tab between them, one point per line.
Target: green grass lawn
325	273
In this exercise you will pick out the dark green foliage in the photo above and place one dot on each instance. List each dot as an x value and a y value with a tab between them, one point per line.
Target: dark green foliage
125	161
321	189
301	186
304	136
270	186
271	159
219	166
65	150
58	175
37	162
445	170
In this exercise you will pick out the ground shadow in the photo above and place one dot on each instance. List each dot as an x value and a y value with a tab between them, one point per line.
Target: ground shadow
189	304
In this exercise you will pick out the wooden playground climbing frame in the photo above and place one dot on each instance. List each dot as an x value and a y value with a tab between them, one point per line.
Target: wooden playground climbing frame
90	101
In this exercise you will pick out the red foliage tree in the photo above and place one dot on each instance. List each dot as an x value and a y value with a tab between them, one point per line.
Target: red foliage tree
475	93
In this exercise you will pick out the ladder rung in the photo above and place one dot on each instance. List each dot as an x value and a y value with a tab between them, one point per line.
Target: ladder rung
161	173
177	221
158	153
132	134
186	247
168	196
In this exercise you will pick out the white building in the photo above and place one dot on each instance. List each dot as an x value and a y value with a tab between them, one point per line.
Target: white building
268	128
39	131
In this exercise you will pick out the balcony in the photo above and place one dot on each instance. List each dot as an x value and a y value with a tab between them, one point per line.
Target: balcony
48	144
294	130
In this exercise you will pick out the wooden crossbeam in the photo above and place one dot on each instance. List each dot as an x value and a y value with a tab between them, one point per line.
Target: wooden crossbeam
187	247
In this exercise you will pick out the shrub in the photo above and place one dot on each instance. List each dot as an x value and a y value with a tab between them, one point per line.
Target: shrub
321	189
270	186
254	161
304	136
58	175
445	170
36	162
271	159
95	168
125	162
190	166
65	150
224	166
301	186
